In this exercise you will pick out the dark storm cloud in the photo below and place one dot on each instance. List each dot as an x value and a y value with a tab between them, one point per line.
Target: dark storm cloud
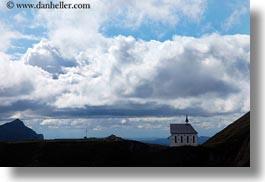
23	105
39	109
191	85
184	77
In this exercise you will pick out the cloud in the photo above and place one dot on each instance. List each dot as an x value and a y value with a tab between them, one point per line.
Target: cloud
144	126
235	17
136	13
196	67
2	5
7	35
77	31
20	18
206	75
21	84
85	79
16	79
47	57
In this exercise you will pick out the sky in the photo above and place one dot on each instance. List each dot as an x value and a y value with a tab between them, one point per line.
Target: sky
128	68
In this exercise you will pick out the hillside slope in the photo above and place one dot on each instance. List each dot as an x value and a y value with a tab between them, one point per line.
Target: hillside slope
233	142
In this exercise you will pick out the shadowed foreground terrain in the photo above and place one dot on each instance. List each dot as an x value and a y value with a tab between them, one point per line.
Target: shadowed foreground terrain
230	147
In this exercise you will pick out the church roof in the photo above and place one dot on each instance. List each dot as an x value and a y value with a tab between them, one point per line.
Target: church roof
182	129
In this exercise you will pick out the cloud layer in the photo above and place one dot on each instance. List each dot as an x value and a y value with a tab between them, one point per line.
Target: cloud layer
210	73
75	71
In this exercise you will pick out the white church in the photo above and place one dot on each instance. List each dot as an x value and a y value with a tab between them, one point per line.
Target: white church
183	134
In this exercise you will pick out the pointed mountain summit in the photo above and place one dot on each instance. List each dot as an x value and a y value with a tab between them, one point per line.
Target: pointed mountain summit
16	122
17	131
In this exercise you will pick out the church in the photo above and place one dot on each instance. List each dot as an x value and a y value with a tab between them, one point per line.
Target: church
183	134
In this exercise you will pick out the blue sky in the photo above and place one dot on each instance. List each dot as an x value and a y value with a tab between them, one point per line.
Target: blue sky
128	68
215	14
213	19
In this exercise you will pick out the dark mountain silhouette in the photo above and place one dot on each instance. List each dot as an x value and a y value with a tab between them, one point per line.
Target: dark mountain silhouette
234	142
229	147
17	131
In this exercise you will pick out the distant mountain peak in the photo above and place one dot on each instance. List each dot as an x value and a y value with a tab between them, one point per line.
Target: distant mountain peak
17	121
113	138
16	130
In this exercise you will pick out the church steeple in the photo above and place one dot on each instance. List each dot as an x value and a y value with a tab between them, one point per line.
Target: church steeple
187	120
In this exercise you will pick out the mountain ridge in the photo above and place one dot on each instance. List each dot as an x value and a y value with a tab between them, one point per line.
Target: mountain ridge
16	130
225	149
